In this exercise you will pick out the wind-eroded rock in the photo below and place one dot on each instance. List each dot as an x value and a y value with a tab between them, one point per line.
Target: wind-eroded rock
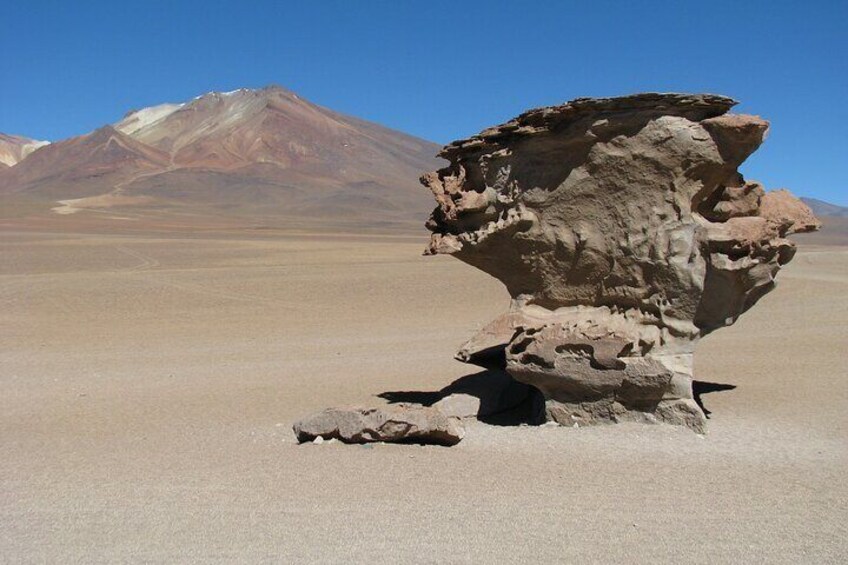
623	232
392	423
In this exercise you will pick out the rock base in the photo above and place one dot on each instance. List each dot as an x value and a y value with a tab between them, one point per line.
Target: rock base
590	374
681	412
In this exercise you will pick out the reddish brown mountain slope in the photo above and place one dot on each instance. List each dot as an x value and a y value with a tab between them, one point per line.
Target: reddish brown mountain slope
83	166
250	156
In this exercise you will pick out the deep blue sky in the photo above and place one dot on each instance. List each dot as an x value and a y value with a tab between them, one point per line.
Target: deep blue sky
440	70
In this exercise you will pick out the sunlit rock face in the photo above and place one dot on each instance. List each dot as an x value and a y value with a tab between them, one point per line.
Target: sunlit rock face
623	232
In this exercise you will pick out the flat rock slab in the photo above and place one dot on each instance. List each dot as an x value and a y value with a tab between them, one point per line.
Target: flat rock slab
393	423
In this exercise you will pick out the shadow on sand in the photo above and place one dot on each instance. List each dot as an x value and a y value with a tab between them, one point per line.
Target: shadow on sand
510	404
700	388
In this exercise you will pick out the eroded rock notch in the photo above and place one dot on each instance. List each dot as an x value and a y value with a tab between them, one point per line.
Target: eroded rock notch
624	232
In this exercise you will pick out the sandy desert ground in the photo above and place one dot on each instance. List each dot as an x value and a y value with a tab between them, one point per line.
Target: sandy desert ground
149	383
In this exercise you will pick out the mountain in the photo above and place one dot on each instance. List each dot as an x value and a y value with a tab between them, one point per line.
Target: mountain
249	157
13	149
83	166
822	208
834	220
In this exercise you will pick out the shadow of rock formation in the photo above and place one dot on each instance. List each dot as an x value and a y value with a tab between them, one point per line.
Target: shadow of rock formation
701	387
491	396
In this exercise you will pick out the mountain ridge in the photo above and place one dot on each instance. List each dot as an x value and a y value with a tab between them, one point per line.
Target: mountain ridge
265	155
822	208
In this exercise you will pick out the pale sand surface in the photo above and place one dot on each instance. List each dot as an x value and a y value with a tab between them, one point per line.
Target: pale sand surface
148	386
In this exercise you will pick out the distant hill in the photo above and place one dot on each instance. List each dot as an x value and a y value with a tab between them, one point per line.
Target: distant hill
834	229
822	208
264	158
14	148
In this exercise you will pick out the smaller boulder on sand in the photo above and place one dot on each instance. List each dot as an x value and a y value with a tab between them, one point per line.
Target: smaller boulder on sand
393	423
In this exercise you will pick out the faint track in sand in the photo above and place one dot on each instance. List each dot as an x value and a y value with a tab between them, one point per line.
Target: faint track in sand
199	289
147	262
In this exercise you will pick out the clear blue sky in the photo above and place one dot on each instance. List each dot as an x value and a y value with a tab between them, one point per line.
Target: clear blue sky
440	70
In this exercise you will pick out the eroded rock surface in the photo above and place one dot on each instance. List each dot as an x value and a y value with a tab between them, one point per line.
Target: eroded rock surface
624	232
392	423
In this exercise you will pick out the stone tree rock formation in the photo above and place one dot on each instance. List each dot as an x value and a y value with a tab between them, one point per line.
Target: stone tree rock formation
624	233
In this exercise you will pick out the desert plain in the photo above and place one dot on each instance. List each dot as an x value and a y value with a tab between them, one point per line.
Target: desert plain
149	382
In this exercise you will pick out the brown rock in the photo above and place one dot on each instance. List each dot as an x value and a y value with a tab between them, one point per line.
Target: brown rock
392	423
788	213
624	232
735	201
